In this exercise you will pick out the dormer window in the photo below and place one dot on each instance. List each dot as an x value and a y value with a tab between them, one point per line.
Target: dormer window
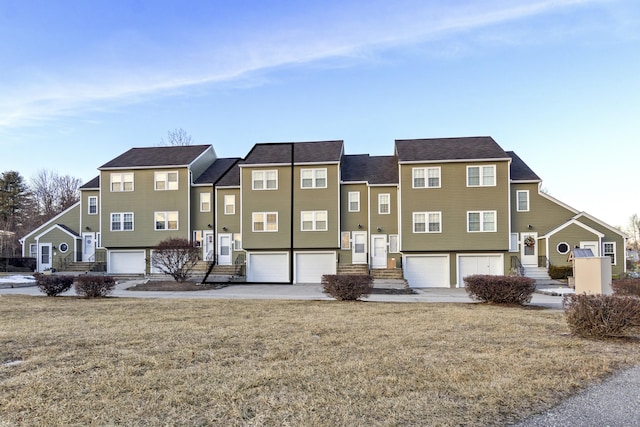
166	180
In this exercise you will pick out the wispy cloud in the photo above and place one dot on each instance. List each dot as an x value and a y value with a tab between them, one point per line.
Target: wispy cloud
67	91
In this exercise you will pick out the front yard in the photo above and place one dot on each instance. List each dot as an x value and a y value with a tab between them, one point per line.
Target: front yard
69	361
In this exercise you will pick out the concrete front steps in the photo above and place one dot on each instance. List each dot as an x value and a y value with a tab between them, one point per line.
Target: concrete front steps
537	273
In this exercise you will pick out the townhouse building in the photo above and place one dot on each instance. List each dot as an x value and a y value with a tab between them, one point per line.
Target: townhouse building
435	211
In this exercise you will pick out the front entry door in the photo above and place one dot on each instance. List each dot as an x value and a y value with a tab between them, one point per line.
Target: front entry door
88	246
529	249
44	257
207	248
359	249
379	251
224	249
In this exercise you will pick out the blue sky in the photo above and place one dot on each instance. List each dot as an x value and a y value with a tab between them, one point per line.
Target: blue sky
556	81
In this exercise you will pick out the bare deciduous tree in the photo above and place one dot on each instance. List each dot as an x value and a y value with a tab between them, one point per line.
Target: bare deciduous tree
54	193
177	136
634	231
175	257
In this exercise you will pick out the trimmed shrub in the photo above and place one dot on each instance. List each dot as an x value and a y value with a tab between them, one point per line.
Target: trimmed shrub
500	289
558	272
347	287
626	287
94	286
601	316
53	285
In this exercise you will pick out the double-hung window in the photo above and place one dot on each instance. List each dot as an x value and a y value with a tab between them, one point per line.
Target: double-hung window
427	222
122	221
384	203
522	200
121	182
313	220
166	220
426	177
354	201
166	180
229	204
92	205
313	178
265	221
481	221
264	180
205	202
609	249
481	176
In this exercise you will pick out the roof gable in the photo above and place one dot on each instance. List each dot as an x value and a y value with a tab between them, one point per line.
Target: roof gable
520	171
449	149
303	152
94	184
375	170
147	157
572	221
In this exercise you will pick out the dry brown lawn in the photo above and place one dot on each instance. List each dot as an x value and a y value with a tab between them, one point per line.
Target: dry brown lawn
145	362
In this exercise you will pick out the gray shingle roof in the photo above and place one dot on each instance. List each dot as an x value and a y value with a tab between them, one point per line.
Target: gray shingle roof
304	152
157	157
374	170
232	177
94	184
217	169
447	149
520	171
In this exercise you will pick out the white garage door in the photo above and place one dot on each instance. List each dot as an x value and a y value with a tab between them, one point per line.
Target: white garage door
268	267
311	266
427	271
469	265
126	262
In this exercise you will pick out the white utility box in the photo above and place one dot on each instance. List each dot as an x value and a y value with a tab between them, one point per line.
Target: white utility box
593	275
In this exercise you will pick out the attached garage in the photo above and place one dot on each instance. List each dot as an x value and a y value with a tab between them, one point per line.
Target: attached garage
309	267
268	267
427	271
126	262
469	265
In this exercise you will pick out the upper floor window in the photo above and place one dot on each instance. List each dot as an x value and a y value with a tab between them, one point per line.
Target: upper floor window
609	249
264	180
93	205
166	220
166	180
313	220
426	177
121	182
313	178
265	221
427	222
354	201
481	221
481	176
122	221
205	202
384	203
229	204
522	199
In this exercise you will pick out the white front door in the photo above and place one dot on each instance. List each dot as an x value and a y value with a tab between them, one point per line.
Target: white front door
359	248
224	249
207	248
591	245
44	256
88	246
529	249
379	251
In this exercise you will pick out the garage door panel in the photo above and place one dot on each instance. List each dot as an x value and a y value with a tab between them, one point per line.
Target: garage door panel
268	267
127	262
427	271
468	265
311	266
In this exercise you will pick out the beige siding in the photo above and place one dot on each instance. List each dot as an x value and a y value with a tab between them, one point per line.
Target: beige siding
388	223
92	221
200	220
609	237
230	221
572	235
69	218
544	214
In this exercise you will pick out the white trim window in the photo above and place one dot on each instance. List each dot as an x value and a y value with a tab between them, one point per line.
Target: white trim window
33	250
313	178
229	204
313	221
205	202
513	242
345	240
264	180
481	176
121	182
393	244
166	220
482	221
354	201
522	200
237	241
166	180
122	221
609	249
384	203
92	205
265	222
426	177
427	222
